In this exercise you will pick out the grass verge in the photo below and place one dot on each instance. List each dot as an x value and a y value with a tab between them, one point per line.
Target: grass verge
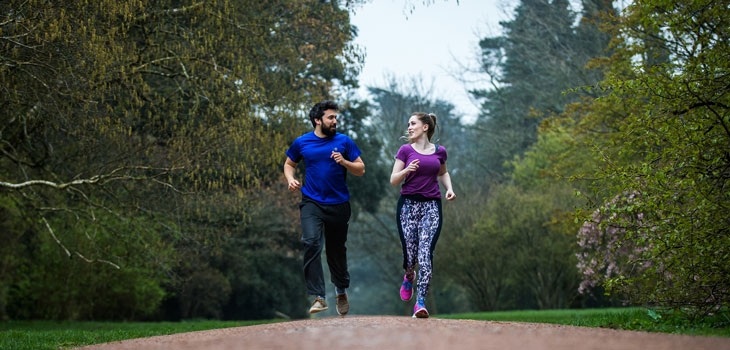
26	335
637	319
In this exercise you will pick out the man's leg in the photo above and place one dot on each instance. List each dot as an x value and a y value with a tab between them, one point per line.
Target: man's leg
337	224
313	239
338	220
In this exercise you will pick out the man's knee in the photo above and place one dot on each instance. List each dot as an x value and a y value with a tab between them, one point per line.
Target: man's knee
311	247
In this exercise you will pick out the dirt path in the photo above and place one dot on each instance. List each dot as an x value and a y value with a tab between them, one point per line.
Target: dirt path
392	332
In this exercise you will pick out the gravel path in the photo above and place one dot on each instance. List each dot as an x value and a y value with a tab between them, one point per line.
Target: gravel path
393	332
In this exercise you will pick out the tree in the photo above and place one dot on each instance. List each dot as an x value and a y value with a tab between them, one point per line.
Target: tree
366	192
669	74
123	120
536	68
518	253
535	61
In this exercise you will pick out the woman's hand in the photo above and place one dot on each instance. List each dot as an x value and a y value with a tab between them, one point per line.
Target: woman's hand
413	166
450	196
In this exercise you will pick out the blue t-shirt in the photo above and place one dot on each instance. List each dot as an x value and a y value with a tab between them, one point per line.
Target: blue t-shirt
424	180
324	179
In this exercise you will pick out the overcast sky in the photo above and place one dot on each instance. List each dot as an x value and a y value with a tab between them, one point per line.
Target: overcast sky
426	42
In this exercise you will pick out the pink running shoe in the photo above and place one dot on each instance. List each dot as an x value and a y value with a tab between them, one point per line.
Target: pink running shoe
406	288
419	311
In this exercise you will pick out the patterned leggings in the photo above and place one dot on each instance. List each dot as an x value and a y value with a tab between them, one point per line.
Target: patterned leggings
419	227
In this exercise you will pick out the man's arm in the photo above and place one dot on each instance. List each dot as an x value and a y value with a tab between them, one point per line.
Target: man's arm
290	168
356	167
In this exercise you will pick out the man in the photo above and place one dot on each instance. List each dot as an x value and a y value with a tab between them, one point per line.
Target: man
325	206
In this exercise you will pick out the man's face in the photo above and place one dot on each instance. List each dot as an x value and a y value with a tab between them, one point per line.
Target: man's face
329	122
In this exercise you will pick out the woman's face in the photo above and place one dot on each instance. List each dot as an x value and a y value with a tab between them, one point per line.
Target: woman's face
416	128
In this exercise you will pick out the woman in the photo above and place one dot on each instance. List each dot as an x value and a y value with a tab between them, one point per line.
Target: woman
420	165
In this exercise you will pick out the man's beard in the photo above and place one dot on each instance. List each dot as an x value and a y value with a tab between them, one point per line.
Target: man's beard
329	131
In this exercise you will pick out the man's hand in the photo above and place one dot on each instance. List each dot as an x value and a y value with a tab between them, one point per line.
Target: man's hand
289	170
337	157
294	185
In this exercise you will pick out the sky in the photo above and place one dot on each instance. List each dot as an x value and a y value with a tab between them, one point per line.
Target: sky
430	43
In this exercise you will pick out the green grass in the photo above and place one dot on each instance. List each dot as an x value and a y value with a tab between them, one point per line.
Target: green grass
22	335
640	319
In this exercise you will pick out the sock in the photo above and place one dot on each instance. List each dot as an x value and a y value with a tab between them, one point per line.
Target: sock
339	290
421	301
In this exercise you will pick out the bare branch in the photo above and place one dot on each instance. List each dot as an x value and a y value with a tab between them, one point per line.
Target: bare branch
97	260
58	241
92	180
68	253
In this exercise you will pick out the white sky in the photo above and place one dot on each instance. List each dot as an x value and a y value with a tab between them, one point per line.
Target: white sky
429	43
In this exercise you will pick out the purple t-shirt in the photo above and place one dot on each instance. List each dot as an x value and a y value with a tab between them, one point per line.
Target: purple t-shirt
424	180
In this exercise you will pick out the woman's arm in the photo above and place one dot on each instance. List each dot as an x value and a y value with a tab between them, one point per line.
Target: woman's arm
400	171
445	180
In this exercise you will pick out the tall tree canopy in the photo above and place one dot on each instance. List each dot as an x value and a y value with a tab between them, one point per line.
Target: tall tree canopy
134	127
532	63
660	136
525	221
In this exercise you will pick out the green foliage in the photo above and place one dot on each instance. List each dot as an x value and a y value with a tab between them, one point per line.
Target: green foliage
670	145
262	259
203	295
520	250
366	192
133	128
539	56
57	284
518	254
536	168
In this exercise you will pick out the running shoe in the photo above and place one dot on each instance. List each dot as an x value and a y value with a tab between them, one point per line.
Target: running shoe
406	288
419	310
343	306
318	305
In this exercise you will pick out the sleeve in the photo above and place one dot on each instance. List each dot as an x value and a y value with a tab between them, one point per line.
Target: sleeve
402	154
294	151
354	151
444	154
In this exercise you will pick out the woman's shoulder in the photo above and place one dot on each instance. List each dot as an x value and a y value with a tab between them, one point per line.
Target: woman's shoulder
406	147
440	151
404	151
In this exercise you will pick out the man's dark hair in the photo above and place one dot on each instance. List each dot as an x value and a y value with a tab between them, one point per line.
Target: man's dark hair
317	112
